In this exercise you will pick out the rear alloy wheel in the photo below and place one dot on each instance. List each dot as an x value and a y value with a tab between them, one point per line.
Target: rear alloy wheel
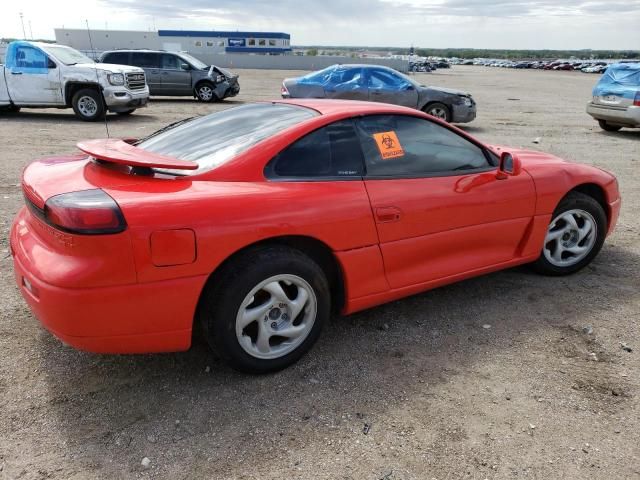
88	105
205	92
608	127
574	237
266	309
439	110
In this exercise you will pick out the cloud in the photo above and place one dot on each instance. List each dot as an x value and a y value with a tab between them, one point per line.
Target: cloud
356	11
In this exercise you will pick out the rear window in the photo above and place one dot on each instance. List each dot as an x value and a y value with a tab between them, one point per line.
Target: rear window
215	139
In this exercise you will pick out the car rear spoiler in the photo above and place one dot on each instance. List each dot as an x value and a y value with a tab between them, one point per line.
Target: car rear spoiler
114	150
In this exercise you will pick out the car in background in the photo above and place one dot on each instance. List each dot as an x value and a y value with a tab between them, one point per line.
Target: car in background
381	84
46	75
598	68
616	97
253	225
178	74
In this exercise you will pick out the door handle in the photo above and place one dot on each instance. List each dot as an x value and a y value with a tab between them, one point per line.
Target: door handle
16	73
388	214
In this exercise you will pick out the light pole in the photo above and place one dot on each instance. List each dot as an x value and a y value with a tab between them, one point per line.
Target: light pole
24	35
30	30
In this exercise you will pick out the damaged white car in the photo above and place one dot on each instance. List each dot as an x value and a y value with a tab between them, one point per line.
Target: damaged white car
43	75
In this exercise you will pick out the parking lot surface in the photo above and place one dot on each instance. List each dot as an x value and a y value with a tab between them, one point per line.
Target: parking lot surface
510	375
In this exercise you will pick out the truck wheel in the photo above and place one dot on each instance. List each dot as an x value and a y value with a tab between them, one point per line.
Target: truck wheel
438	110
608	127
126	112
265	309
88	105
205	92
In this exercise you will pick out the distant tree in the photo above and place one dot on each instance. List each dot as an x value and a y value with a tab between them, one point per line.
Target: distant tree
312	52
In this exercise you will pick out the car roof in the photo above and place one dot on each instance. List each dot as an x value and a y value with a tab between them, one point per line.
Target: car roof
353	107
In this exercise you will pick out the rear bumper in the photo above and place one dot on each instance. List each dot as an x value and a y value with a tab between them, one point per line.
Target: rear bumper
132	318
626	116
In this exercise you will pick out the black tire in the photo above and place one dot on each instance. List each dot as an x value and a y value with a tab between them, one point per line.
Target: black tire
88	105
608	127
225	292
575	201
438	110
13	109
205	92
126	112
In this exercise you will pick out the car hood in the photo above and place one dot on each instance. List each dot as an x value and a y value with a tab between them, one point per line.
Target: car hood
527	157
109	67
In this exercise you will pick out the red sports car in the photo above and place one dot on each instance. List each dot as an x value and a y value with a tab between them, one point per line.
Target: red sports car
255	223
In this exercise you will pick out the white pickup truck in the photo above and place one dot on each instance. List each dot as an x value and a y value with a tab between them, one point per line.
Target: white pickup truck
42	75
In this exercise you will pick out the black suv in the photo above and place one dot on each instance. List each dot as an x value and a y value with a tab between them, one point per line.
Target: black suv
176	74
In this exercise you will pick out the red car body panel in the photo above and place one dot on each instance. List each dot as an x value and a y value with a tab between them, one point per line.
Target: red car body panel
138	290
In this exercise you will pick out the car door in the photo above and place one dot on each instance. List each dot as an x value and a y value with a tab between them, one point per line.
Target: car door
150	63
32	77
347	83
387	87
439	207
176	80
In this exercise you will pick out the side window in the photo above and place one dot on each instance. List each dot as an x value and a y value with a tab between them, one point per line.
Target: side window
347	79
117	58
382	79
329	152
145	59
405	146
29	57
170	62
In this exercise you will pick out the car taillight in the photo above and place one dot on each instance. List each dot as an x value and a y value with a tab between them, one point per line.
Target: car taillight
636	101
88	212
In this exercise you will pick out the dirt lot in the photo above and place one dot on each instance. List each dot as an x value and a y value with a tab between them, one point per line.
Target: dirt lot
441	395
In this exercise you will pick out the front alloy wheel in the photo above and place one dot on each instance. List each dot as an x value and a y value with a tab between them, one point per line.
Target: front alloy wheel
205	93
570	238
439	110
574	236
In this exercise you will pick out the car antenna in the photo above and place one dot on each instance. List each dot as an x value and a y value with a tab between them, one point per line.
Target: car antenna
104	104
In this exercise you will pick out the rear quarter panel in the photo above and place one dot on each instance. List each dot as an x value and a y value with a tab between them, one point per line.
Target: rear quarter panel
228	216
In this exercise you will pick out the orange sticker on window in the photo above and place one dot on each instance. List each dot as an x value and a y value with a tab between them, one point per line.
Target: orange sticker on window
388	144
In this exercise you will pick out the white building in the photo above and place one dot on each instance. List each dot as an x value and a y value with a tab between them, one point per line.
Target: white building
192	41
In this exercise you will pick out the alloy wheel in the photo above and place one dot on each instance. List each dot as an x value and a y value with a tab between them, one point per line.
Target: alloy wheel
276	316
570	238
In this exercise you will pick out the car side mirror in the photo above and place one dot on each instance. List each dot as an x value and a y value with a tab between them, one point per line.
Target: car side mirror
185	66
509	166
409	87
51	64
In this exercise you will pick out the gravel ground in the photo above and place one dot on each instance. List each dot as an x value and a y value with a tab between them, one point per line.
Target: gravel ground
495	377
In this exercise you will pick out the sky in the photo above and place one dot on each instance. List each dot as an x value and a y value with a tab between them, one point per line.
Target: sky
501	24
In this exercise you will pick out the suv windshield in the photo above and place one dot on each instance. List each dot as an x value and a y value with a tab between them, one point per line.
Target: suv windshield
67	55
215	139
195	63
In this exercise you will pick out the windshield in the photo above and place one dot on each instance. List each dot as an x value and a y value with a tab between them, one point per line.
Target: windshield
195	63
67	55
215	139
